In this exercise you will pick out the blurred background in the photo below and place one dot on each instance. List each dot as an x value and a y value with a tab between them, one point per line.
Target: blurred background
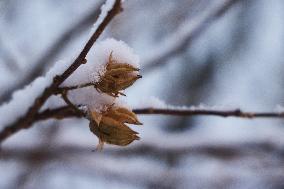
233	60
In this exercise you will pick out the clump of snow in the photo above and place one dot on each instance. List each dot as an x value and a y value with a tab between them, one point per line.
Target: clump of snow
95	67
23	99
89	96
95	100
122	103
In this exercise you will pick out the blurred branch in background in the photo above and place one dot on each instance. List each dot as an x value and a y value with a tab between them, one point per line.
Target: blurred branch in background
169	156
53	51
220	151
184	35
10	56
36	161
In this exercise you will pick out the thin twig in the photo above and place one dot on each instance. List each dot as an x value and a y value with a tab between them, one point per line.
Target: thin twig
59	90
27	120
67	112
203	112
70	104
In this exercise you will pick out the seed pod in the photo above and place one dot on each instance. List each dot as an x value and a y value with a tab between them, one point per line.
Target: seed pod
124	115
127	82
109	126
117	77
113	132
97	117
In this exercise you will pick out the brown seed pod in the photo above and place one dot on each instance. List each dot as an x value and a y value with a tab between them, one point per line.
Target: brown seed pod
118	77
124	115
109	126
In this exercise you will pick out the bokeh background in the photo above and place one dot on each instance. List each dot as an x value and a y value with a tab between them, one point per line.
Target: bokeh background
234	61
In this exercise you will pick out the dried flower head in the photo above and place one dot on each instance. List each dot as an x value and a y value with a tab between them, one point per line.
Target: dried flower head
118	76
110	127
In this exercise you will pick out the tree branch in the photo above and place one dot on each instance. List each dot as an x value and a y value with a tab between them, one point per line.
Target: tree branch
68	112
204	112
223	151
27	120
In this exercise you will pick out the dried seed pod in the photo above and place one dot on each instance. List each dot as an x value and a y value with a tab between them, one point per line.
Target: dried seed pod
124	115
97	117
118	77
113	132
110	127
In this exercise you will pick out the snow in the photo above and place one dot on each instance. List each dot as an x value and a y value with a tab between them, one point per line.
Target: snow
86	73
94	68
95	100
150	102
155	102
104	10
90	72
23	99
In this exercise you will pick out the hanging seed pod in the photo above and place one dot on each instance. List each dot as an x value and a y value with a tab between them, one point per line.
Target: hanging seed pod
123	115
110	127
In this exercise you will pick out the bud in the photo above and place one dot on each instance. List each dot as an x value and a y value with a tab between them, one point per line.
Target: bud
110	126
118	77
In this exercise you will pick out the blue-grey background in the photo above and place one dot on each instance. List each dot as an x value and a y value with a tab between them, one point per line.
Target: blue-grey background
236	63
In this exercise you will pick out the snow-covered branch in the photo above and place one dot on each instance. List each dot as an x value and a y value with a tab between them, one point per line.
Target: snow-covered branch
25	117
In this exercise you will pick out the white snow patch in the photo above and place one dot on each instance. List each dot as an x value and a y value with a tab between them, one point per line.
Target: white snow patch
94	68
150	102
89	96
154	102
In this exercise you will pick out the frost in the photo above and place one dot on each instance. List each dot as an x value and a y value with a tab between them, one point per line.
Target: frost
23	99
